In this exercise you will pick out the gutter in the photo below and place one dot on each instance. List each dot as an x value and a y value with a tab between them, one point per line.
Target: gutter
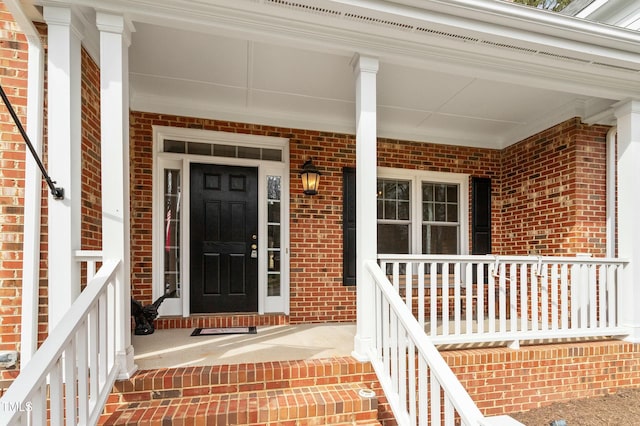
32	186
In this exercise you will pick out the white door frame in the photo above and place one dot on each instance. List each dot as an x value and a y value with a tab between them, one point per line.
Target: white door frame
182	161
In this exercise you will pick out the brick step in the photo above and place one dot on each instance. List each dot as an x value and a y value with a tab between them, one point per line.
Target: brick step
193	381
333	404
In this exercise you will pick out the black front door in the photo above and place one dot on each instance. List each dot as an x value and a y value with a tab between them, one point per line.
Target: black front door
224	229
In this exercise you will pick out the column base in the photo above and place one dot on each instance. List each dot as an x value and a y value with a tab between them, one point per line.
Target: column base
127	365
361	349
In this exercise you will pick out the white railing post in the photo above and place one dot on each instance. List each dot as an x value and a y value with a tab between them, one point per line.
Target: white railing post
365	70
114	114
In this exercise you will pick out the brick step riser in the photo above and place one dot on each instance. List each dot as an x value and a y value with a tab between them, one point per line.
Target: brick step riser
211	380
194	381
321	405
221	320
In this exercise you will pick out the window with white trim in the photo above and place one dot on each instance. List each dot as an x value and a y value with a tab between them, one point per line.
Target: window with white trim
421	212
440	218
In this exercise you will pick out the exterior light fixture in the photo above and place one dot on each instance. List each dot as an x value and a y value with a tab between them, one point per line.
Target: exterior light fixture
310	176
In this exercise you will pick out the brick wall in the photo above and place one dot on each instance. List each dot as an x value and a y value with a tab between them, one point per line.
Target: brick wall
502	380
548	198
91	224
553	192
13	76
317	293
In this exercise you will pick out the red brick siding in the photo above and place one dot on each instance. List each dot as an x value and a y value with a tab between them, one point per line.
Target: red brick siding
553	192
547	192
317	293
43	305
91	174
475	162
502	380
13	75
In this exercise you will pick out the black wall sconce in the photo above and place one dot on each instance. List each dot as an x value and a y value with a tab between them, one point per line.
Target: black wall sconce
310	176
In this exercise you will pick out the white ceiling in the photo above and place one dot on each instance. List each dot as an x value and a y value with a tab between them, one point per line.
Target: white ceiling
485	77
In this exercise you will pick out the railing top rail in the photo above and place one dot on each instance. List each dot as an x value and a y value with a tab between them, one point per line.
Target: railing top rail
26	383
86	255
489	258
461	400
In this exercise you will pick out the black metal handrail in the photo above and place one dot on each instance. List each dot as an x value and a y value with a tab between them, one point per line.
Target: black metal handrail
56	192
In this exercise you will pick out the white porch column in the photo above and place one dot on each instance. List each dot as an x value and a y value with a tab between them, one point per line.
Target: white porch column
115	39
365	69
628	115
64	127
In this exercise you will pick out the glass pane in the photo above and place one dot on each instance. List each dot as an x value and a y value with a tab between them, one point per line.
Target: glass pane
274	236
440	193
403	210
271	154
273	187
441	212
389	210
380	189
273	263
390	190
393	238
427	212
380	209
273	285
452	193
248	152
403	191
199	148
438	239
173	146
224	150
172	232
273	211
427	192
452	213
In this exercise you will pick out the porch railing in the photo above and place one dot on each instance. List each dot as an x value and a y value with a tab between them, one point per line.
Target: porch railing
463	299
71	375
419	385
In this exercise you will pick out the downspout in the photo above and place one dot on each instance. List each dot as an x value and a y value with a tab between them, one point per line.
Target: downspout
32	186
611	191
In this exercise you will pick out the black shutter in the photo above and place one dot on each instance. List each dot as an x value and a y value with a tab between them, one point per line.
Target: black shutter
480	216
349	226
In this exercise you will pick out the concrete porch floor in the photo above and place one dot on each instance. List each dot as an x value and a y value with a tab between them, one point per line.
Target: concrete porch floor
170	348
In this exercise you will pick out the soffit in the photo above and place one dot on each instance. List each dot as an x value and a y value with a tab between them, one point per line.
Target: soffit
288	64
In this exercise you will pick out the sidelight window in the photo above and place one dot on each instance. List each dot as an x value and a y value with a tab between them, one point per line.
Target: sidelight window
172	192
274	245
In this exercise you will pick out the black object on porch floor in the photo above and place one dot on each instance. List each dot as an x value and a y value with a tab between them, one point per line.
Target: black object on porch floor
223	330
